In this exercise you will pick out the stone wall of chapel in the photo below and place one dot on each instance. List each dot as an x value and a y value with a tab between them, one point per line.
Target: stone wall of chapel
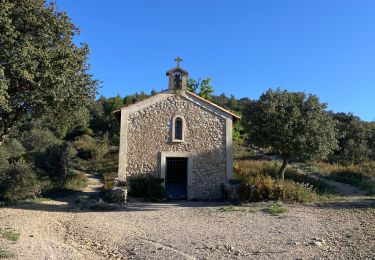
150	133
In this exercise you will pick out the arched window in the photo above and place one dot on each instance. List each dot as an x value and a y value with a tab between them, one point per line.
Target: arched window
178	129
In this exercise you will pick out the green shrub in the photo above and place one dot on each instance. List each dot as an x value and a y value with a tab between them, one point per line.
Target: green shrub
145	186
78	131
19	181
38	139
76	182
10	149
57	161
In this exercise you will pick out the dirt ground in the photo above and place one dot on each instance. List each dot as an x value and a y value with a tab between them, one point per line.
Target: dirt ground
61	229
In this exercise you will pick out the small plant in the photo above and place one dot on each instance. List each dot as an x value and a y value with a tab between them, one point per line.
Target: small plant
145	186
76	182
276	209
9	234
109	180
82	198
4	253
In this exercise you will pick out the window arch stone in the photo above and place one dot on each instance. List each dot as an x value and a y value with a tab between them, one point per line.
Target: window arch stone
178	129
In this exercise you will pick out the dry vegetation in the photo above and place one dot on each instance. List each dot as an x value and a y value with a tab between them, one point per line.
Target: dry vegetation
360	175
259	181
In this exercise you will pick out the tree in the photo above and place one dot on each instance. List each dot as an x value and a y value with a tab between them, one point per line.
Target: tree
204	85
292	123
41	70
192	85
57	161
353	138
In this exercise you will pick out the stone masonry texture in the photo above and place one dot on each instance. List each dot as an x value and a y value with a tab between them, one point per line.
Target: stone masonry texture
150	132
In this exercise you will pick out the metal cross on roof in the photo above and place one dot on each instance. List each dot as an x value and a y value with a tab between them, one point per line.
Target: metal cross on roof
178	60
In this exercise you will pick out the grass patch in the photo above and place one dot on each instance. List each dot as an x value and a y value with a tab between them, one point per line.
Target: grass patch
77	182
360	175
230	208
9	234
83	198
23	202
4	253
241	152
276	209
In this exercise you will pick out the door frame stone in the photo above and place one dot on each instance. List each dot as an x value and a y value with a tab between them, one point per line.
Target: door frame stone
163	167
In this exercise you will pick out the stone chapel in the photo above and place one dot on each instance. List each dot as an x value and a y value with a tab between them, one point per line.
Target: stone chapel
179	137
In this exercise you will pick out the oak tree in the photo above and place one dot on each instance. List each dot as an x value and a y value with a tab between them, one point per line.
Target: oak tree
42	71
294	124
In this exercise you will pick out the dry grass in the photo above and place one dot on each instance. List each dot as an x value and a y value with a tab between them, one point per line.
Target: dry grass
361	175
76	182
259	181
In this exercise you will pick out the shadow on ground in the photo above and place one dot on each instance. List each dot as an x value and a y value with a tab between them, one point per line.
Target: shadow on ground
357	203
71	201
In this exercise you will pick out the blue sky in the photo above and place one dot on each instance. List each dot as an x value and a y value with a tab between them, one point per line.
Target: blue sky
322	47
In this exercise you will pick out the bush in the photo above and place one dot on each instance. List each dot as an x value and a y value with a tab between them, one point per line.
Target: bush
19	181
38	139
57	162
90	148
266	188
145	186
259	181
11	149
78	131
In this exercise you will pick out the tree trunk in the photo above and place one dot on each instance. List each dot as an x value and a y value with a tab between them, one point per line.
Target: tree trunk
283	168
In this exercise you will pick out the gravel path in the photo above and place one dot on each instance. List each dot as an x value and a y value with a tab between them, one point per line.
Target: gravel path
60	229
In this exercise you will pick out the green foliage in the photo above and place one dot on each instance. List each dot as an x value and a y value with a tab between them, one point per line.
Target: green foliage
57	161
11	148
355	139
19	181
42	70
78	131
231	103
37	139
76	182
361	175
294	124
241	152
90	148
204	85
145	186
237	133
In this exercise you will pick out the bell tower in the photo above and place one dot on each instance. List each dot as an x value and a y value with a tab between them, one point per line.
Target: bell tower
177	77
